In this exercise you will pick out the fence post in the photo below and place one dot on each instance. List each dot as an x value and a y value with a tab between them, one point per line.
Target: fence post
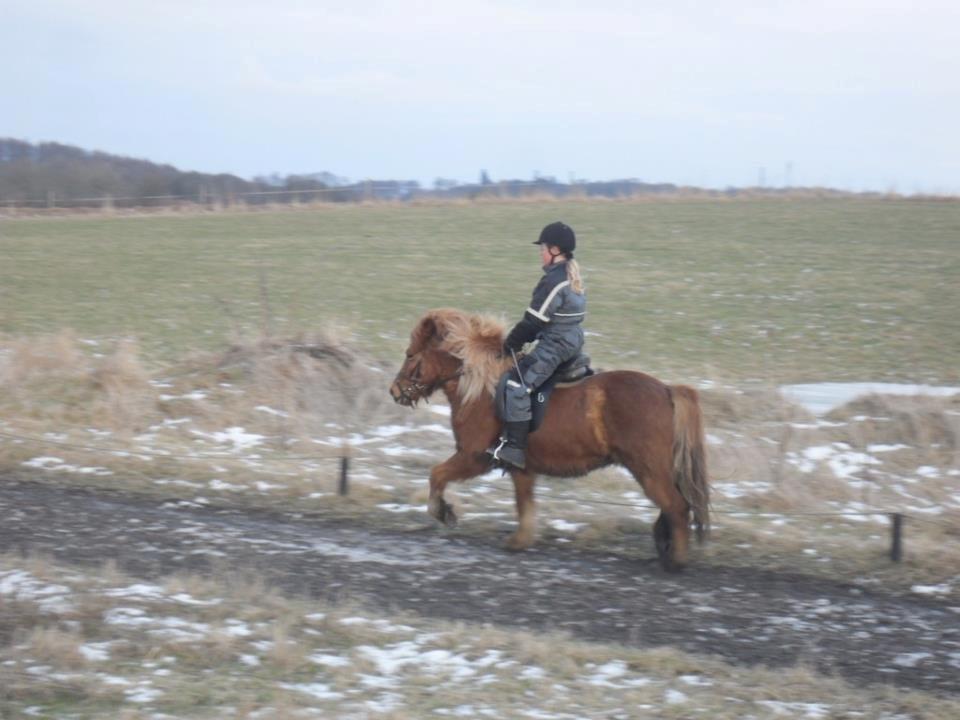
896	546
344	472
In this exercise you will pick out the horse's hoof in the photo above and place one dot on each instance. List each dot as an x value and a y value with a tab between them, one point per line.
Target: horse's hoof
518	543
671	566
447	516
442	511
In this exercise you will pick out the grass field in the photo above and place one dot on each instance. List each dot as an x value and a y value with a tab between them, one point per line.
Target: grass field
747	294
768	290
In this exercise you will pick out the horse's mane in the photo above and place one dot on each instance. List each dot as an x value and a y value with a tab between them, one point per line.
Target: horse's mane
474	339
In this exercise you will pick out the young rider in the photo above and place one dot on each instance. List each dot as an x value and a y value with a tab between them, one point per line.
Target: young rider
553	319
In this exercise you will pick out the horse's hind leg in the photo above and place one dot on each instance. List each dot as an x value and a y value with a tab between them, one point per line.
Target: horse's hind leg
661	536
526	512
671	531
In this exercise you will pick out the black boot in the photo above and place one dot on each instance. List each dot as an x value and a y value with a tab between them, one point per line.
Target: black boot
512	448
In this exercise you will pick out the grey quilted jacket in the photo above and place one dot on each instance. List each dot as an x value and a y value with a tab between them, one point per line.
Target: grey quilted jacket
554	316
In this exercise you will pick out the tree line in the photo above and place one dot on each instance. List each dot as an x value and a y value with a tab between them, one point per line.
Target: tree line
53	174
56	175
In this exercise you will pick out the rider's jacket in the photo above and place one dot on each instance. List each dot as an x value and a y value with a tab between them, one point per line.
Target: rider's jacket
554	315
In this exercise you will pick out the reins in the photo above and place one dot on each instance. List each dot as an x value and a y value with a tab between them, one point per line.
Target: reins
424	391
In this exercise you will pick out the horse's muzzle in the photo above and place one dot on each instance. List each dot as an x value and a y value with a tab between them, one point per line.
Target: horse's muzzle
399	395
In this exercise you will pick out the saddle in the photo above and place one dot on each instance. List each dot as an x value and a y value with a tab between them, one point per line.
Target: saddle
567	373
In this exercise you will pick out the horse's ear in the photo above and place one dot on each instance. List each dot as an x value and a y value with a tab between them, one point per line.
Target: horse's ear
425	332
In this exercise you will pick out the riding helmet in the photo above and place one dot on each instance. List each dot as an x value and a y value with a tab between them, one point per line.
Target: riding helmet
560	235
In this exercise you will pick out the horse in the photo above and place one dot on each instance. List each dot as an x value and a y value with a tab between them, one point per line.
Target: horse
618	417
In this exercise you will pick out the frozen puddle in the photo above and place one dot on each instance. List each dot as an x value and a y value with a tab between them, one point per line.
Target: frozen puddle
821	398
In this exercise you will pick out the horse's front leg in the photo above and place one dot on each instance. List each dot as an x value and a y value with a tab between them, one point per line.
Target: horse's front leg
460	466
526	513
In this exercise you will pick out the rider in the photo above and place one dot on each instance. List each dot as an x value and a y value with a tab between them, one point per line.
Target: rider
553	318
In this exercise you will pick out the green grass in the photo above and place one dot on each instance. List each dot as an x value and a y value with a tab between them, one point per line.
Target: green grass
774	290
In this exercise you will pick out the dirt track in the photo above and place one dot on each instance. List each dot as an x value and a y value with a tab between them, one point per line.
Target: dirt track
749	617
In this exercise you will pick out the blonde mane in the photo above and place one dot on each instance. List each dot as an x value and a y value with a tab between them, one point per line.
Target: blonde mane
476	340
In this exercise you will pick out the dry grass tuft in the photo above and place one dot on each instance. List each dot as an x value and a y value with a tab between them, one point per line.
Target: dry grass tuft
56	647
312	379
50	378
723	408
28	358
123	386
286	652
923	422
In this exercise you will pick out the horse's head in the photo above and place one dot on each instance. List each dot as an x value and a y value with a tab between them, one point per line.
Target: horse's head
427	365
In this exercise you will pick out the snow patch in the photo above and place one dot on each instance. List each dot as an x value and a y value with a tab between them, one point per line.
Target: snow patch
95	652
910	660
316	690
329	660
882	448
236	436
21	585
46	462
931	589
821	398
397	450
270	411
399	508
842	460
675	697
564	526
791	709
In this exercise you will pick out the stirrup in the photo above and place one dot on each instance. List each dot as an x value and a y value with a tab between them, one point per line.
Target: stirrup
494	450
507	456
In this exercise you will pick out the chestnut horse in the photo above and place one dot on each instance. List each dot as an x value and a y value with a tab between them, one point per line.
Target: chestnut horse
618	417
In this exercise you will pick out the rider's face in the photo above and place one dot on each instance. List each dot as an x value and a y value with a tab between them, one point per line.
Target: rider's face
545	257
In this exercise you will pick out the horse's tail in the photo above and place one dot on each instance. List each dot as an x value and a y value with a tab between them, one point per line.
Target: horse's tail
689	456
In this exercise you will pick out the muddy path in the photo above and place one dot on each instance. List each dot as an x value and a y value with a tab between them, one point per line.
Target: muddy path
747	617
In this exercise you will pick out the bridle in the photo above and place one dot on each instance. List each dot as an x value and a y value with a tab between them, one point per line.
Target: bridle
422	390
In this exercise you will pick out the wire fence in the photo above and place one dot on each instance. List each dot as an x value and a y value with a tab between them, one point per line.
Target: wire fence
345	456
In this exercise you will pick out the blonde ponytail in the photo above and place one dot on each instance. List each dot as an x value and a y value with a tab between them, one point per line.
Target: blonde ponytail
573	275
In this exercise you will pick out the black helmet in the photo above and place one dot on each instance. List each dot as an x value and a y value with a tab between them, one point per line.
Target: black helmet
560	235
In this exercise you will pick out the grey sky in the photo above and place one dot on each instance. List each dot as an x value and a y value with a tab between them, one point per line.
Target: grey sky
855	94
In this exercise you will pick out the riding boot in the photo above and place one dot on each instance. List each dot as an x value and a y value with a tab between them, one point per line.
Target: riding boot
512	449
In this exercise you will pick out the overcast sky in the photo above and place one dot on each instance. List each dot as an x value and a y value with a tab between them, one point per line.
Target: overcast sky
851	94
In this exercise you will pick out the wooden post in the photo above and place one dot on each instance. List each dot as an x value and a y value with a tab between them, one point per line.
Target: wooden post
896	546
344	471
